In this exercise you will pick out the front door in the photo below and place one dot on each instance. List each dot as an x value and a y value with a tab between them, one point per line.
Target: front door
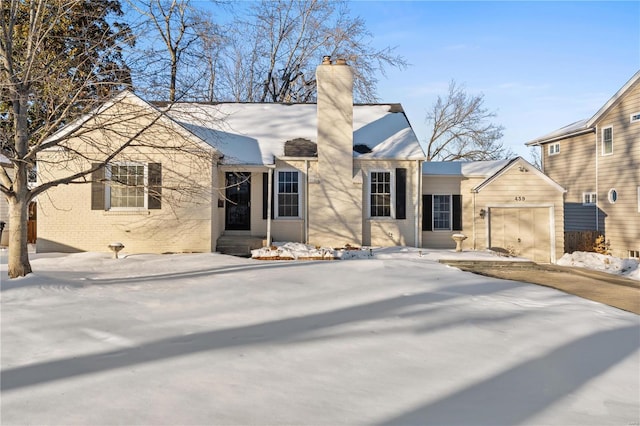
238	202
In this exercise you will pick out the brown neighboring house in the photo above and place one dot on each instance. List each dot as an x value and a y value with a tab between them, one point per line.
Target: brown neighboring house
598	161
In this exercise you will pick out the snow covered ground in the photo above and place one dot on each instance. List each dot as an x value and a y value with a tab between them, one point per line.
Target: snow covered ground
391	339
628	268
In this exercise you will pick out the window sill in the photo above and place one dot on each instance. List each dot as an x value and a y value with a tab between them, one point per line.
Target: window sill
127	212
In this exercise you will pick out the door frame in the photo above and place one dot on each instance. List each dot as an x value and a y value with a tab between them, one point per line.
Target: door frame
246	226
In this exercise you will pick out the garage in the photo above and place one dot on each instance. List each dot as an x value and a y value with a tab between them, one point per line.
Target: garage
521	231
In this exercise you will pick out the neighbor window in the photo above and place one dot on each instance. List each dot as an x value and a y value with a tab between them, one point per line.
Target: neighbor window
380	199
607	140
589	198
288	195
127	188
613	196
635	117
442	212
554	148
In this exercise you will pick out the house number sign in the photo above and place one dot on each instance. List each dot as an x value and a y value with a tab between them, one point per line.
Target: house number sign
519	198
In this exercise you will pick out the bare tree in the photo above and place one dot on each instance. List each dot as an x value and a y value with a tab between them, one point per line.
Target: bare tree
180	47
60	70
277	46
461	129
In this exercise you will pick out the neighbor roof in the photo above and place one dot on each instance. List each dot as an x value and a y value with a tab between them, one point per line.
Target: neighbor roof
255	133
587	125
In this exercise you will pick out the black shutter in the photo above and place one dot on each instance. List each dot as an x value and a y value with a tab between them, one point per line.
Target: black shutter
154	193
265	196
427	214
97	188
401	193
457	212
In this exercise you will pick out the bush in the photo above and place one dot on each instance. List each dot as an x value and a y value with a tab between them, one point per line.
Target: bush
602	246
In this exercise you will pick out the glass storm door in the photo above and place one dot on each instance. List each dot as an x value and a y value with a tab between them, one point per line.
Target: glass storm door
238	202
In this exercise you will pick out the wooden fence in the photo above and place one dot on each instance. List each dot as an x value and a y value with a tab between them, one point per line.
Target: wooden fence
580	240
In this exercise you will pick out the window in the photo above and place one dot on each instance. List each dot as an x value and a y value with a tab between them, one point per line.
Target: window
126	186
442	212
607	140
613	196
634	254
380	194
635	117
554	148
288	196
589	198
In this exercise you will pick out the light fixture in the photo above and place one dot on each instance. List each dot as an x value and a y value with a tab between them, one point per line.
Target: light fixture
483	213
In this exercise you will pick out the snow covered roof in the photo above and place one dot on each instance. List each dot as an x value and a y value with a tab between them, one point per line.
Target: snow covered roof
463	168
4	160
255	133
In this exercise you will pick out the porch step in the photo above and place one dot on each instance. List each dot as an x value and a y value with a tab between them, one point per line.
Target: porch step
239	245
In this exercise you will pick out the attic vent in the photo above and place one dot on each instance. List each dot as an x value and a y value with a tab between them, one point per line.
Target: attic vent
300	148
361	149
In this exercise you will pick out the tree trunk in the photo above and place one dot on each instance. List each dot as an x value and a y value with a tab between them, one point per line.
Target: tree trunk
18	262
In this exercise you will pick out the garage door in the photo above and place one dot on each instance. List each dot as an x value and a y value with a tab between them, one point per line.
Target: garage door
521	231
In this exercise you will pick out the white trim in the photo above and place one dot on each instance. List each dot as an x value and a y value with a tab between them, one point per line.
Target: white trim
612	196
392	194
277	192
554	148
602	140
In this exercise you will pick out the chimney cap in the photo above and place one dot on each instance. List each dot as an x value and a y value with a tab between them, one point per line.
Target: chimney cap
326	60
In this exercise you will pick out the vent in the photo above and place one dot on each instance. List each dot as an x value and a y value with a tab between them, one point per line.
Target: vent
361	149
300	147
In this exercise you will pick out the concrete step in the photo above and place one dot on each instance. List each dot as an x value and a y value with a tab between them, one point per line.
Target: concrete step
239	245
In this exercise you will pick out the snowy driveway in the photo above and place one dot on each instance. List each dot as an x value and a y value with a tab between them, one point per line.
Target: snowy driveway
398	339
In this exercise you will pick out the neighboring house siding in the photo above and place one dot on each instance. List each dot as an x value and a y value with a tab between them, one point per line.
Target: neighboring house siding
574	167
579	217
621	171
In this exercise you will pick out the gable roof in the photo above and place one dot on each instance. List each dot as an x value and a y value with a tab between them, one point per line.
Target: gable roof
587	125
525	166
256	133
126	96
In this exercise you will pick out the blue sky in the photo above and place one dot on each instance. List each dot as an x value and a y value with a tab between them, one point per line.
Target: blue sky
540	65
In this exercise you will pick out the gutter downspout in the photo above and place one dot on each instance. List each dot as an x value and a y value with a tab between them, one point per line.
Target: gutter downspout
473	215
269	200
418	234
597	192
306	202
